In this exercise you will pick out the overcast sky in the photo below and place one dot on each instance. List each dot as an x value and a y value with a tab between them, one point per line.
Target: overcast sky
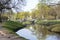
31	4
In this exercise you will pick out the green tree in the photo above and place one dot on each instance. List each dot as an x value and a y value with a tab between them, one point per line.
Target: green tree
7	5
22	15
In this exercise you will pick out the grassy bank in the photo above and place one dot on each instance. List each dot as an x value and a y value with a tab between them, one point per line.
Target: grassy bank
52	25
48	22
13	26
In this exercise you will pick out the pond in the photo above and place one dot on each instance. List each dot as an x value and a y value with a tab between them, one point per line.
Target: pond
36	32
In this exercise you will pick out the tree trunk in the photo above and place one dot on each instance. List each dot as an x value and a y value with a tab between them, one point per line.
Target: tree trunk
43	17
0	18
56	17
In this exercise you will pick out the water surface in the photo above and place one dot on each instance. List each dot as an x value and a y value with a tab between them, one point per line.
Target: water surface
35	32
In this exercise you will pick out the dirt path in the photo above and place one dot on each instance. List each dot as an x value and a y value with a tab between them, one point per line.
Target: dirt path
5	35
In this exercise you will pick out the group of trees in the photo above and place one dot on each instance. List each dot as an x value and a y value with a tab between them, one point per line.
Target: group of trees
10	6
43	11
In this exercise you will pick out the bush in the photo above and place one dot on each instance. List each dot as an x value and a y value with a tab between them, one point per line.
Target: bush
13	26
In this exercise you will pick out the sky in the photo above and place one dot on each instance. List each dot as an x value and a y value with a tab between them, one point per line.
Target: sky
16	5
31	4
55	1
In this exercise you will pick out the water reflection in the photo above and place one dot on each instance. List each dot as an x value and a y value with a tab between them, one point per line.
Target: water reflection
26	33
36	32
53	37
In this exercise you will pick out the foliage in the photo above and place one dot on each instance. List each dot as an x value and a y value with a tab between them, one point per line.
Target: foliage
55	28
9	4
13	26
22	15
44	9
48	22
35	14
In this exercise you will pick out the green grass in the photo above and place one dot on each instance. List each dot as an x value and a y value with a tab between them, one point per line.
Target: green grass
27	22
48	22
52	25
55	27
13	26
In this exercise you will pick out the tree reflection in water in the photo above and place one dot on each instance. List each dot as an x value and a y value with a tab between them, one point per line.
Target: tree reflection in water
41	32
38	32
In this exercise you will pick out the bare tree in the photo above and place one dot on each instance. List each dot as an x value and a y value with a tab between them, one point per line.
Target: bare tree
14	5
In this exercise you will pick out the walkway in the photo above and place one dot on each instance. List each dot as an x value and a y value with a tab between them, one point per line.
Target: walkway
5	35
